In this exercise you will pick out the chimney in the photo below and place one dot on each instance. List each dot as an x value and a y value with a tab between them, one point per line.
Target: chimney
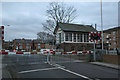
96	26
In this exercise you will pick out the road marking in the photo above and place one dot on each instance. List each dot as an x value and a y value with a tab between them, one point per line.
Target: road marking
63	68
75	73
38	70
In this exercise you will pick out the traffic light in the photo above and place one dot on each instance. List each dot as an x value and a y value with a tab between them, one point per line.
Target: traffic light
94	36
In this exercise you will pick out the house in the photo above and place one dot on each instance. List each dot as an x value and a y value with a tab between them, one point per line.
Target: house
73	37
38	44
7	45
22	44
49	44
111	37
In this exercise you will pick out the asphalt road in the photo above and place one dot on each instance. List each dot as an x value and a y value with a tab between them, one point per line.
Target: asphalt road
35	66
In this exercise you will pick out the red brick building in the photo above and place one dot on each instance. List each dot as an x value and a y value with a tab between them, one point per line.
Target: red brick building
28	44
22	44
38	44
112	38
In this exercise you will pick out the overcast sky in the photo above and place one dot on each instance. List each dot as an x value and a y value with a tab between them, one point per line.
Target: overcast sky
25	18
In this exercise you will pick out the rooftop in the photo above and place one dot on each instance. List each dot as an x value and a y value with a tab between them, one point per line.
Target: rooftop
75	27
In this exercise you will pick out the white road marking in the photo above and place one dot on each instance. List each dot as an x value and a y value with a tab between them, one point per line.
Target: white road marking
38	70
75	73
63	68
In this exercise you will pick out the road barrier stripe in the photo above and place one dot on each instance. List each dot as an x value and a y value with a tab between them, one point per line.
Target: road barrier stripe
44	52
19	52
4	53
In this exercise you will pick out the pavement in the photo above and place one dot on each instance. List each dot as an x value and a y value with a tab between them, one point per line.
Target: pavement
114	66
0	67
35	66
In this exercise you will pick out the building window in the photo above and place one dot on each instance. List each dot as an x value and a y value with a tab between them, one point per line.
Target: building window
20	43
87	35
113	38
38	46
114	43
78	37
27	43
86	38
20	47
59	37
66	36
69	36
27	47
74	37
114	33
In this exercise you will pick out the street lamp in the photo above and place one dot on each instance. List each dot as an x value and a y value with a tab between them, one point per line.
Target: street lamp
102	26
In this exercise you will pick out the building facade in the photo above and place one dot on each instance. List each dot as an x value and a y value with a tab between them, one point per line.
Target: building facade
28	44
112	38
22	44
73	37
38	44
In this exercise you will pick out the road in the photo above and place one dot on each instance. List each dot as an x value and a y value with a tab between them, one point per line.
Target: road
35	66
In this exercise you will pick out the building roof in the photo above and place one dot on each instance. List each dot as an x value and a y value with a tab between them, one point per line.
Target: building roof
28	41
19	41
75	27
37	41
23	40
112	29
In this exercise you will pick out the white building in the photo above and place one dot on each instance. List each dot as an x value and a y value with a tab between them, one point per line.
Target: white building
73	35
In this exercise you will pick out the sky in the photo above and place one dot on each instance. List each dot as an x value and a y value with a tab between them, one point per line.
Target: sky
26	18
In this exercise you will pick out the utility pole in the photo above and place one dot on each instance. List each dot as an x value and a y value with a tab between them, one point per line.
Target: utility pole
102	26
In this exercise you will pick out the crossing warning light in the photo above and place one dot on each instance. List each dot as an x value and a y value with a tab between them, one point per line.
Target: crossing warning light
94	36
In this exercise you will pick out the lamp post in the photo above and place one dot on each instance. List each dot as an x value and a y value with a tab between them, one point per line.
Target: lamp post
102	26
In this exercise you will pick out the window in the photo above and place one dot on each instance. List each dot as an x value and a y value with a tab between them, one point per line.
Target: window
20	43
70	37
86	38
59	37
20	47
27	43
66	36
113	38
27	47
114	43
87	35
114	33
79	37
74	37
38	46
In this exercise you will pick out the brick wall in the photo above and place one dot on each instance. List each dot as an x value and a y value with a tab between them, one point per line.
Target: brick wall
114	59
75	46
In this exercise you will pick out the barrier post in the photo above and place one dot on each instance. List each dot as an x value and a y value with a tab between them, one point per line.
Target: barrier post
48	57
94	56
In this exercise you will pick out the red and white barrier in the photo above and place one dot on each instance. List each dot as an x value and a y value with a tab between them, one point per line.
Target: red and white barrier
2	32
4	52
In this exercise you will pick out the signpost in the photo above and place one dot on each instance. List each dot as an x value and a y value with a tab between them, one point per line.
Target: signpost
94	36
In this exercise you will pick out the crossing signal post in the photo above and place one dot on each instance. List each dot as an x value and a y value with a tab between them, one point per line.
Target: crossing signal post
1	36
93	37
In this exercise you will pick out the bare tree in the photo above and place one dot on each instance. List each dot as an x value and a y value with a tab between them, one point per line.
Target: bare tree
45	36
58	12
